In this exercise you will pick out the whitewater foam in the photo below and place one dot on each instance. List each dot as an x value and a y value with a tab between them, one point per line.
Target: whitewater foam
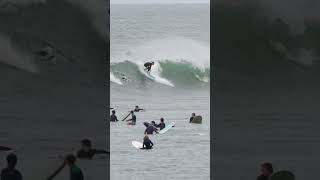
114	79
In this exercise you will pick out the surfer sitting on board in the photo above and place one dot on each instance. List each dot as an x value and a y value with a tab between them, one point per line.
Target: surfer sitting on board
75	171
147	143
148	66
113	117
161	125
266	171
86	151
10	172
192	116
133	119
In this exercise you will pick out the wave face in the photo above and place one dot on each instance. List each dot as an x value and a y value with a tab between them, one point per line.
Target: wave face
248	39
179	62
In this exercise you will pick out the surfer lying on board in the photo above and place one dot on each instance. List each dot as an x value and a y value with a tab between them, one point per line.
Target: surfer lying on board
86	151
137	109
148	66
10	172
75	171
266	171
147	143
133	119
113	117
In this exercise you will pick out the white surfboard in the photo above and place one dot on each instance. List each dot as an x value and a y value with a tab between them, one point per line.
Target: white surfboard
169	126
137	144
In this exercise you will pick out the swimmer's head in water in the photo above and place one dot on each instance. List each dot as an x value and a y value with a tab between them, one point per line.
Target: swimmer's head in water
193	114
12	160
131	112
137	106
70	159
161	120
113	111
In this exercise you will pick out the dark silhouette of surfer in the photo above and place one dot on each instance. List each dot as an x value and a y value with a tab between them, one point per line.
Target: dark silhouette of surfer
148	66
10	172
266	171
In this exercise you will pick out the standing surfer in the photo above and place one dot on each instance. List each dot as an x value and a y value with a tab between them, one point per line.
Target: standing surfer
148	66
75	171
133	119
113	117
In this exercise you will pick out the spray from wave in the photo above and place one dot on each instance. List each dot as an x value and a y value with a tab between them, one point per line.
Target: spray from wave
178	62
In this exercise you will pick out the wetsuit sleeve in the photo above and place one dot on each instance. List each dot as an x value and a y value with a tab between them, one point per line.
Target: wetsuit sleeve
151	143
100	151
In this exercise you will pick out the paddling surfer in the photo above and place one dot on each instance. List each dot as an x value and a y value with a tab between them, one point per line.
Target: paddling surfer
86	151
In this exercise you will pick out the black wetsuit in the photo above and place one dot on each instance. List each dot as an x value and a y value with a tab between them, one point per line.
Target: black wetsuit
147	144
10	174
150	130
191	119
89	154
75	173
162	125
148	65
134	119
262	177
113	118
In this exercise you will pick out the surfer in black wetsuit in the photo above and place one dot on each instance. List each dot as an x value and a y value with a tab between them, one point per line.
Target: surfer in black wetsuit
137	109
266	171
150	129
192	116
10	172
148	66
113	117
75	171
161	125
147	143
133	119
86	152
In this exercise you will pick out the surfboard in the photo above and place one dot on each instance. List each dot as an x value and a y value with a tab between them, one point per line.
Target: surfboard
137	144
197	120
126	116
169	126
282	175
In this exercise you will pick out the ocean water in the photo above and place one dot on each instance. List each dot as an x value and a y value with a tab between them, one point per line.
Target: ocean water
176	37
48	107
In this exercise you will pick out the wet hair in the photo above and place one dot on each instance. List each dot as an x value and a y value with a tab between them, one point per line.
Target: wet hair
268	166
137	106
70	158
153	122
113	111
146	137
161	119
86	142
131	112
12	159
193	114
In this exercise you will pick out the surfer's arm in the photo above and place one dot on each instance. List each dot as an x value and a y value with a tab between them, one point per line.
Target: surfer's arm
57	171
101	151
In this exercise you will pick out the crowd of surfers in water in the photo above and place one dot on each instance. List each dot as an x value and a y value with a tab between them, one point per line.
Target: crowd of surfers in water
85	152
151	127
